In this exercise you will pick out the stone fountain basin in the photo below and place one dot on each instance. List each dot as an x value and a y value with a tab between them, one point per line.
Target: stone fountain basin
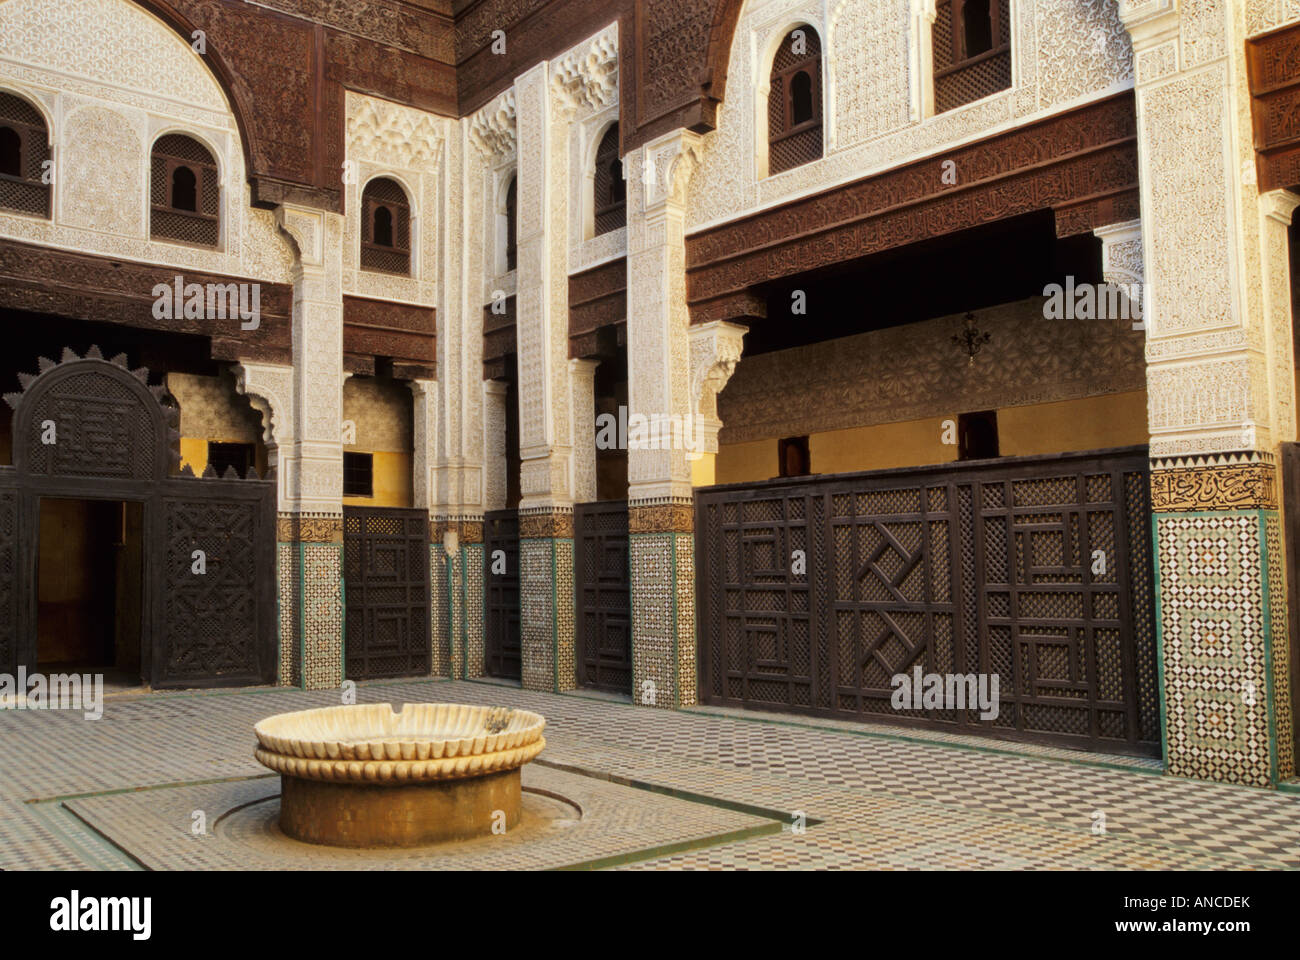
374	743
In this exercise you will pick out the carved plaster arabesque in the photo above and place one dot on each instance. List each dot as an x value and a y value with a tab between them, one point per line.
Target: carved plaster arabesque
1066	54
658	321
408	145
44	56
586	77
493	130
269	389
914	372
715	350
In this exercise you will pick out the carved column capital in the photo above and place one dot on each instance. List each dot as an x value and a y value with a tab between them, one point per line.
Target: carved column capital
306	227
715	350
1280	205
665	169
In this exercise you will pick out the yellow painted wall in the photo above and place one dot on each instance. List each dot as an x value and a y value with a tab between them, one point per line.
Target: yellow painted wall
912	443
704	471
194	454
380	412
392	482
194	451
1093	423
746	462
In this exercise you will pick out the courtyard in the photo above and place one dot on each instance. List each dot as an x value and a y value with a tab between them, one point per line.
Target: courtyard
167	781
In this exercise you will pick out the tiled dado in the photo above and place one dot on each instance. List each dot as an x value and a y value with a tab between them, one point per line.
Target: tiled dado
309	559
662	547
442	664
1224	646
456	596
546	630
471	565
663	619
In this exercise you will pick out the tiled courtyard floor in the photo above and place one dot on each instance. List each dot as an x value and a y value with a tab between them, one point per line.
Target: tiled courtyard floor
626	787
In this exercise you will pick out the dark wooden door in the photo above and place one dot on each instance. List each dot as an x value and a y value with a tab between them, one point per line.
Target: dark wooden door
604	596
386	579
501	543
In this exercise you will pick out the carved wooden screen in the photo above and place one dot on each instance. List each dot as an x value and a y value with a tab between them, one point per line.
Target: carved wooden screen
8	570
964	73
501	561
90	429
385	227
25	182
184	192
794	102
218	620
386	578
814	594
604	596
609	186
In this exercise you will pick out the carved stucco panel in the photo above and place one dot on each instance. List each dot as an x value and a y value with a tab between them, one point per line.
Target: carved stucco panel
100	160
495	455
1064	53
269	389
86	39
1265	15
1215	398
1185	179
868	68
1081	47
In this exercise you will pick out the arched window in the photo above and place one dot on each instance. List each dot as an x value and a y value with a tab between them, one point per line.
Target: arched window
512	225
611	188
971	43
24	149
794	103
184	192
385	227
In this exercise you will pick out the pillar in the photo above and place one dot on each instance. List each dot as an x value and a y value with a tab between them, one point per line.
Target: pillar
1220	396
660	502
545	392
311	458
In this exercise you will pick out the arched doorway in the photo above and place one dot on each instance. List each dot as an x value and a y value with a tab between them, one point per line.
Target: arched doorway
90	431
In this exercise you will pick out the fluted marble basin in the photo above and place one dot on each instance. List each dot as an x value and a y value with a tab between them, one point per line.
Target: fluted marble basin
365	775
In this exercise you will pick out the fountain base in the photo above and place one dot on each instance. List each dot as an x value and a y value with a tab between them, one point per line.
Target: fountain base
352	814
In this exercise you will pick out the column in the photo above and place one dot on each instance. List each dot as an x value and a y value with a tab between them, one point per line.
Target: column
545	395
1220	396
311	463
660	502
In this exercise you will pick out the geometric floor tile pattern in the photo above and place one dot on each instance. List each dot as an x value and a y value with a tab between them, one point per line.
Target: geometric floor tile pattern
658	790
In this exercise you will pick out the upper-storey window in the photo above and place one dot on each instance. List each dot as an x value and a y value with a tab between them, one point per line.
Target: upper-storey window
794	102
385	227
184	191
24	148
972	51
611	188
512	225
